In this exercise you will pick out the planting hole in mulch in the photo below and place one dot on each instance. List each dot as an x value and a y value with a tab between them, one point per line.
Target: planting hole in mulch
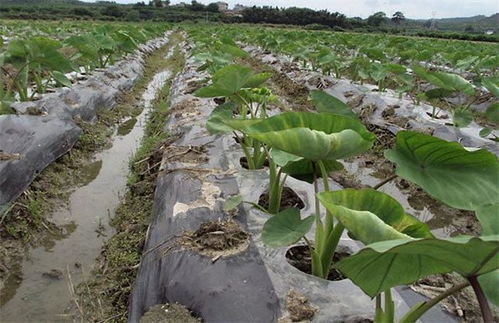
300	258
289	199
217	239
163	313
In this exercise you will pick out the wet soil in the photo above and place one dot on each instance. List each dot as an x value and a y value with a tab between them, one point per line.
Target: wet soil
104	296
300	258
289	199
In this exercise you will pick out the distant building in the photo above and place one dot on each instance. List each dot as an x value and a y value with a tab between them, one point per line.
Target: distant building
181	4
222	6
489	32
239	7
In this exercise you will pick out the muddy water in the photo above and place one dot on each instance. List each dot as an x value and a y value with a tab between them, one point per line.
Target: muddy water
48	271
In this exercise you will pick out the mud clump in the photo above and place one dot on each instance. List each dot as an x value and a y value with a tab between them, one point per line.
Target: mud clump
217	239
169	313
299	308
289	199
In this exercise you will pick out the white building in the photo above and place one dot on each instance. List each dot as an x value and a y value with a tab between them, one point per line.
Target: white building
222	6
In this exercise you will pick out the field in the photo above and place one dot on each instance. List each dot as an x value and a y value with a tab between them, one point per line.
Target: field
233	173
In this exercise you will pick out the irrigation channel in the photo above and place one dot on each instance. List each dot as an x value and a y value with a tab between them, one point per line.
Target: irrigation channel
50	272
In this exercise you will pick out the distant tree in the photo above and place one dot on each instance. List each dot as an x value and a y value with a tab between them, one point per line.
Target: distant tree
196	6
157	3
212	7
112	11
469	29
398	17
82	12
132	15
377	19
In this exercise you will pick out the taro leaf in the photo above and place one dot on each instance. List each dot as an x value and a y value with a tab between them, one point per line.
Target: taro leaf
301	168
448	81
492	86
304	169
395	68
492	112
437	93
282	158
489	220
372	216
314	136
61	78
452	82
327	103
233	50
489	283
226	82
257	80
285	228
457	177
387	264
462	118
232	203
215	123
485	132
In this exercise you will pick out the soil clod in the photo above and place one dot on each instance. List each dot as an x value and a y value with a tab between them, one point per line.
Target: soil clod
169	313
215	239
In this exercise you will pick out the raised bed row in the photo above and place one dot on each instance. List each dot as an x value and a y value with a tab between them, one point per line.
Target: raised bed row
212	261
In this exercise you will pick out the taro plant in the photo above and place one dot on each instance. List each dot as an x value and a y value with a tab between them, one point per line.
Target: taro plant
308	143
400	251
37	60
239	86
445	86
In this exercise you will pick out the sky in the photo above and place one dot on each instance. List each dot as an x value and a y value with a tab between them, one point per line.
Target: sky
420	9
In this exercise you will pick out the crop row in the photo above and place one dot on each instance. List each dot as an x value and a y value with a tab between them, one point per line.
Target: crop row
48	58
399	249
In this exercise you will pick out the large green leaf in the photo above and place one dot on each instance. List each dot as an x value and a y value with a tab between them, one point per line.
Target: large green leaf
216	120
457	177
492	86
387	264
446	81
492	112
230	79
257	80
61	78
489	283
372	216
324	102
314	136
462	117
226	81
285	228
